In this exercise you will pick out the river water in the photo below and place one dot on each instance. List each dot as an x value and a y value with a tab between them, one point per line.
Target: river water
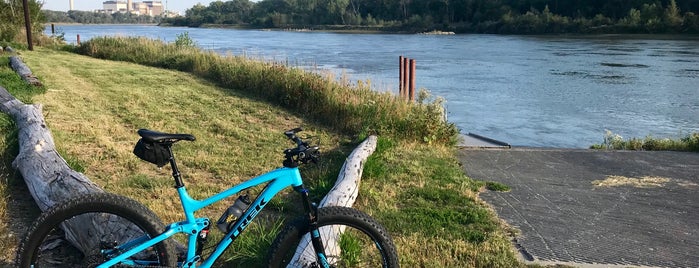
548	91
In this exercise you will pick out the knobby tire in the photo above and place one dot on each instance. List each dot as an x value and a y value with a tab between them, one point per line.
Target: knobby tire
364	243
43	239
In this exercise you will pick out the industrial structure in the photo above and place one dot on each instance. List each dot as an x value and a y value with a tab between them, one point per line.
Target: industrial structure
151	8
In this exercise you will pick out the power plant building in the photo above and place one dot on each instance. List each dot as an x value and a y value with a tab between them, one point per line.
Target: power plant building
152	8
110	7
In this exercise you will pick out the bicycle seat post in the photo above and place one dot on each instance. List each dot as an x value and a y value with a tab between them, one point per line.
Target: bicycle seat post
175	171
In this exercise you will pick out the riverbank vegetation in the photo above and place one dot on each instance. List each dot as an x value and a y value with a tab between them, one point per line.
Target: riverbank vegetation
689	143
416	189
461	16
355	110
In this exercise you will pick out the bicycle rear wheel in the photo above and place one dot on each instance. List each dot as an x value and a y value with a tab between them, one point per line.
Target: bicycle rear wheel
350	237
105	223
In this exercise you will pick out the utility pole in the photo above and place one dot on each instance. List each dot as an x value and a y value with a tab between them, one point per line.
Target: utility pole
28	24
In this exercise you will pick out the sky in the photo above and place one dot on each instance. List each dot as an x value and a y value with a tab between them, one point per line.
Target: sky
90	5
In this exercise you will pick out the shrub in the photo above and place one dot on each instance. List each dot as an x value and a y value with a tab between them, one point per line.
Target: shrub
613	141
183	40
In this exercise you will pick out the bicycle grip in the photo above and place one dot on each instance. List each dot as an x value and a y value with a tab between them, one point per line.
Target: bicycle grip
291	132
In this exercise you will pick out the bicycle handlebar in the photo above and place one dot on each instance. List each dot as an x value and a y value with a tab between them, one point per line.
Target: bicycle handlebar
302	153
291	134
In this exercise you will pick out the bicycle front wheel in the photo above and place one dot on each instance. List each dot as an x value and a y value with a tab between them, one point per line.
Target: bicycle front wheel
88	230
350	237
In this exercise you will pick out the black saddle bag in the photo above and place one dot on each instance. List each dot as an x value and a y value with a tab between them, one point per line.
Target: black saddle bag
155	153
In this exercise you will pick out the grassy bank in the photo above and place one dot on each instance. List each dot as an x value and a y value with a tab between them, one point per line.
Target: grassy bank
416	189
353	110
689	143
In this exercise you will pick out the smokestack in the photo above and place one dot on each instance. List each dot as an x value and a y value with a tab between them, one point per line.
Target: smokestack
129	6
71	5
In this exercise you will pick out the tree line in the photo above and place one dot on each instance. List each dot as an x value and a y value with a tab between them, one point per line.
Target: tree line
89	17
12	26
465	16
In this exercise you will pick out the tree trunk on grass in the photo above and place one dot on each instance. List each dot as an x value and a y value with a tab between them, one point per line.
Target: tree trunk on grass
47	175
24	71
343	194
51	181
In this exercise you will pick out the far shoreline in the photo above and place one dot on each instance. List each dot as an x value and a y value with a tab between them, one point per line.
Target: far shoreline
357	30
76	23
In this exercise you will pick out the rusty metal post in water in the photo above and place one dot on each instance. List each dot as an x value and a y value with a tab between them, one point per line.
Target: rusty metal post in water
78	40
406	74
401	73
412	80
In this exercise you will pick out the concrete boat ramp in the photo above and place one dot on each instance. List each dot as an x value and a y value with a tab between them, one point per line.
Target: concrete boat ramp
472	140
589	208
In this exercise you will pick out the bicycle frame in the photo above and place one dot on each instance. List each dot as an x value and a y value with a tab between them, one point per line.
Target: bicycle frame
277	180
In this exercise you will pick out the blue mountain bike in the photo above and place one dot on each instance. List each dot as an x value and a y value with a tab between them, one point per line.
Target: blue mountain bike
105	230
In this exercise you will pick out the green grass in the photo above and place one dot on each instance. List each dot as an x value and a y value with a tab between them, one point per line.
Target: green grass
689	143
496	186
437	219
15	85
250	250
416	189
8	147
351	249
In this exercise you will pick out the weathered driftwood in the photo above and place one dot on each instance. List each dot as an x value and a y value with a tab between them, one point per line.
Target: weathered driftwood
48	177
51	181
343	193
346	188
24	71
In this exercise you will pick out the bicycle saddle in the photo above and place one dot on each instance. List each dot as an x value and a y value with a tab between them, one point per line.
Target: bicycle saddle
155	136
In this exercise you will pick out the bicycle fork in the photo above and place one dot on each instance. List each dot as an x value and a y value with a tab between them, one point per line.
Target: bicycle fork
311	210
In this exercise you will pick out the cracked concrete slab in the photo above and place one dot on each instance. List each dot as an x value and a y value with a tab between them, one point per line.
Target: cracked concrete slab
592	208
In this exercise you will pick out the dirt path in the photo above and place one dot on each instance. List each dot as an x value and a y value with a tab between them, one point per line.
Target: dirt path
21	213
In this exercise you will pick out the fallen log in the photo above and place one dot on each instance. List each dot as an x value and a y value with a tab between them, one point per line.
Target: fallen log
18	65
51	181
343	193
346	188
49	178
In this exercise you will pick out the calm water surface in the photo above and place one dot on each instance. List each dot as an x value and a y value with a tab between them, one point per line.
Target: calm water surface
524	90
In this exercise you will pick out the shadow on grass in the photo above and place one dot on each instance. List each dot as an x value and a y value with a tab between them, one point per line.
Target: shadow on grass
20	209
